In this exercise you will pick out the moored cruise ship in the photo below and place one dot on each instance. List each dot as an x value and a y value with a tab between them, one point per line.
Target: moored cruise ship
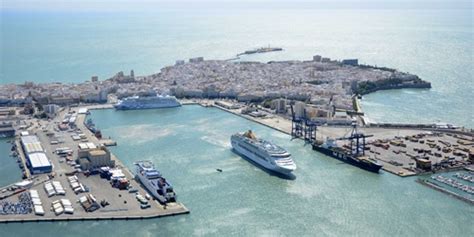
262	152
147	102
154	182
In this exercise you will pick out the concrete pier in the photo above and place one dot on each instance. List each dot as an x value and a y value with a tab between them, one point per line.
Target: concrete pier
21	155
122	204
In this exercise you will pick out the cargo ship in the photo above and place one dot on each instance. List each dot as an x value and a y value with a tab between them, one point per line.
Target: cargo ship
262	152
154	182
147	102
355	155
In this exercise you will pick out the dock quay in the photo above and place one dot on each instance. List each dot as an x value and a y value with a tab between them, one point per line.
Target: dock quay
21	155
97	200
100	106
396	158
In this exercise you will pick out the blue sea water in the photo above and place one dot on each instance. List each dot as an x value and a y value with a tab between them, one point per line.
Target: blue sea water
327	198
189	143
436	44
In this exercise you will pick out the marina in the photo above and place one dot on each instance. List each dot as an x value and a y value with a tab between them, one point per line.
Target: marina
458	184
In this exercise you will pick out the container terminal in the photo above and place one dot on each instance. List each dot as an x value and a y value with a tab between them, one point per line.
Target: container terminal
61	182
402	150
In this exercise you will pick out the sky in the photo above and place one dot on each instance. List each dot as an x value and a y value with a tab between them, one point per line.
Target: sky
149	5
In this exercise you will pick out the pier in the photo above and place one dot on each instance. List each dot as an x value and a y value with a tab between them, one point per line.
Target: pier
122	204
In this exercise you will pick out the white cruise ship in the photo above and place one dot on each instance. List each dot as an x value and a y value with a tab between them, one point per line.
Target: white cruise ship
262	152
147	102
156	184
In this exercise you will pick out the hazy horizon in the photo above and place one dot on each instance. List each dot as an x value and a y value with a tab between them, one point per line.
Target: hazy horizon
150	5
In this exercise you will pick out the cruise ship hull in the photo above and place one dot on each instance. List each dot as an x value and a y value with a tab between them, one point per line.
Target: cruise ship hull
263	163
372	167
136	107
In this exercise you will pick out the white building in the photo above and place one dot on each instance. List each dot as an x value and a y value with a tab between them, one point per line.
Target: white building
280	106
51	109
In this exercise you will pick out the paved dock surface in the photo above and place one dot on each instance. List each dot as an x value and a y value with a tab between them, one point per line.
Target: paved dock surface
123	205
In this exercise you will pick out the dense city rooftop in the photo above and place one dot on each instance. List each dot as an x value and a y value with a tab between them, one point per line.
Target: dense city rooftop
318	81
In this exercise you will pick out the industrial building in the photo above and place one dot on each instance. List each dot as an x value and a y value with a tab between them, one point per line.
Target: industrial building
196	60
51	109
37	160
93	157
280	106
352	62
317	58
83	111
39	163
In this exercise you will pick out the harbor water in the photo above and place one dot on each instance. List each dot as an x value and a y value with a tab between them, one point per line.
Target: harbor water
10	172
327	197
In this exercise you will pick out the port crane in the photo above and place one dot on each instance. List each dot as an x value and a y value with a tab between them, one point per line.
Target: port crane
296	125
354	138
303	127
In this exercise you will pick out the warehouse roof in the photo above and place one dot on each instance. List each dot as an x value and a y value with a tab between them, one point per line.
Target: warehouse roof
38	160
33	147
29	139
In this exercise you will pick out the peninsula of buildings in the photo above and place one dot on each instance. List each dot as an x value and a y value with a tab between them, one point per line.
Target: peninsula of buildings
320	82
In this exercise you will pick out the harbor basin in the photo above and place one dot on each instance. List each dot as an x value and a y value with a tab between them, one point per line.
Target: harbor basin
327	197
